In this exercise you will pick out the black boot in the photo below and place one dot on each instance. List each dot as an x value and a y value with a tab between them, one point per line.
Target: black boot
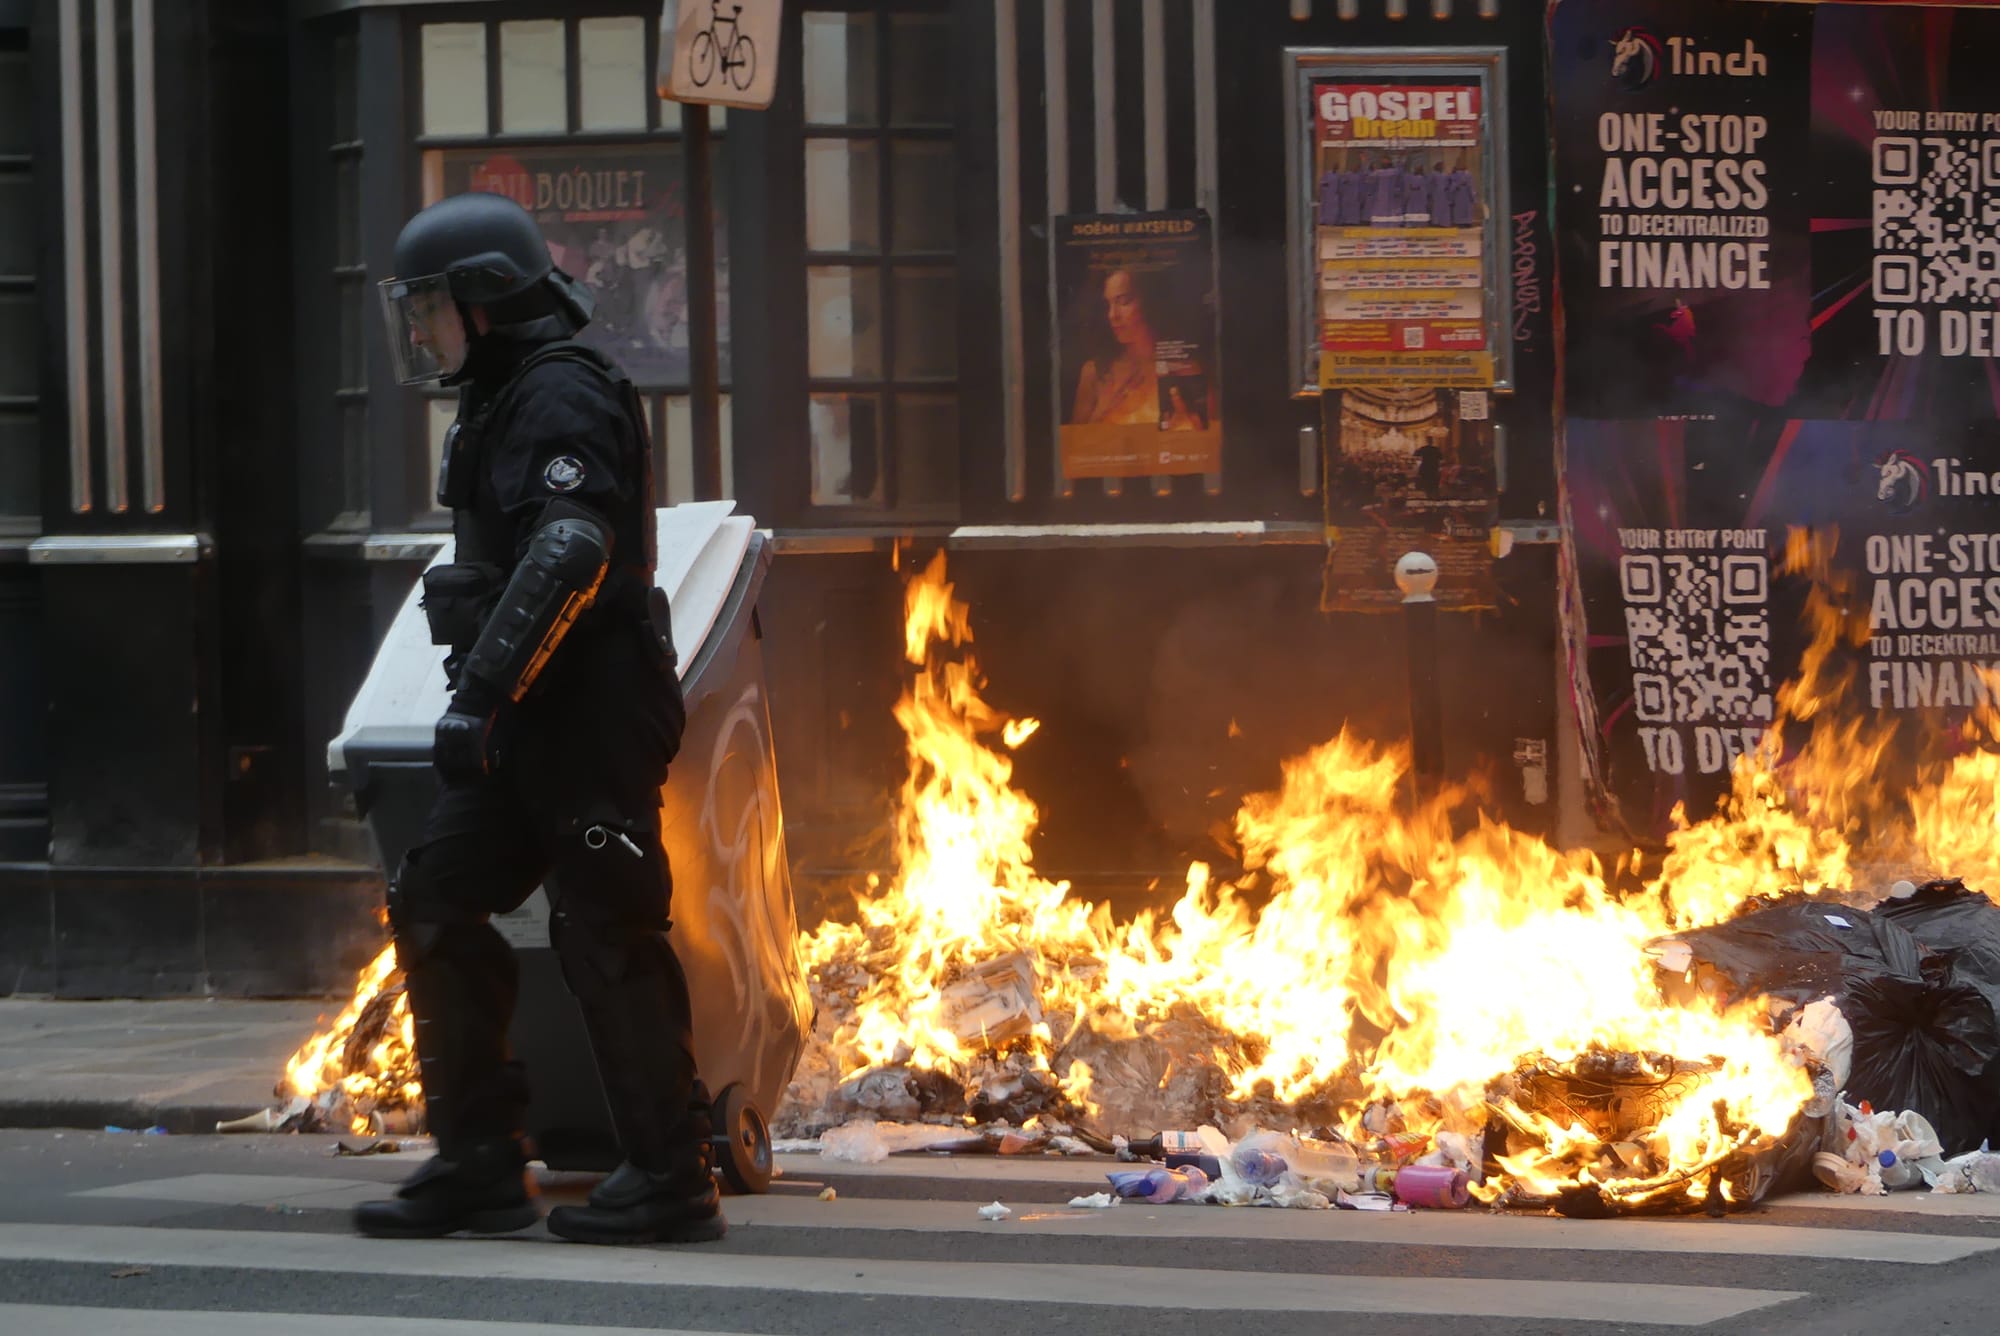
480	1188
635	1206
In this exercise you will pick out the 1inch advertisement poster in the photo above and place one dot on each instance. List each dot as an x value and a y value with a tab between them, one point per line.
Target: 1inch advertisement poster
615	218
1137	391
1779	226
1400	224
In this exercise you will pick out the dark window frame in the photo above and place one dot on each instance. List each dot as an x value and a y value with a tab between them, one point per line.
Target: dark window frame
21	516
398	439
884	260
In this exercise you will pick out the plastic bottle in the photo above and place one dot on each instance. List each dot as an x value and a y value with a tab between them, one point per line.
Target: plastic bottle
1259	1167
1898	1173
1325	1161
1157	1184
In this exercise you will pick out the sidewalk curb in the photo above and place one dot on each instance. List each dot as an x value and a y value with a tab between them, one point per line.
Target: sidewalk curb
135	1115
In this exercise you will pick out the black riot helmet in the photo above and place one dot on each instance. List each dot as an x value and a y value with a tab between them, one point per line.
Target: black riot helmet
464	251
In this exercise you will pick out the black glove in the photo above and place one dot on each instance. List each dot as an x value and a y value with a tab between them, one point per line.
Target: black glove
462	749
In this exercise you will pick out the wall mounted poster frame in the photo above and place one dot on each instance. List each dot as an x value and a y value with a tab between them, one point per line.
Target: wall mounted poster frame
1397	175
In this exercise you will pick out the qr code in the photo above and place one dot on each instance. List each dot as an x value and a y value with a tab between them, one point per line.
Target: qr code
1413	336
1937	206
1699	627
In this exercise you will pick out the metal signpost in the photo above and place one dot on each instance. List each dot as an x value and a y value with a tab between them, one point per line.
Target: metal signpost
712	53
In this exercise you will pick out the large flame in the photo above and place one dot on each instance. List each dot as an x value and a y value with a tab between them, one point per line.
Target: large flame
1377	947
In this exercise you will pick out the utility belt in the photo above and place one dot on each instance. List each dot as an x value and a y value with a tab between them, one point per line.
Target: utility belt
459	596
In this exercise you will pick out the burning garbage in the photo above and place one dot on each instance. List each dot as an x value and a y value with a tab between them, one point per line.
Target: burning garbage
1398	1003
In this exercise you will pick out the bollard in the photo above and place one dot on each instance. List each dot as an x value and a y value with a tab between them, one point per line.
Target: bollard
1416	576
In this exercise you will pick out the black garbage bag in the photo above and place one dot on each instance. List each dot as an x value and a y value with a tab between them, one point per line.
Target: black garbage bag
1945	916
1796	949
1918	980
1926	1037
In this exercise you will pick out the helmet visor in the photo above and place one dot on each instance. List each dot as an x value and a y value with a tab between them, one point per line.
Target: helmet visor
427	339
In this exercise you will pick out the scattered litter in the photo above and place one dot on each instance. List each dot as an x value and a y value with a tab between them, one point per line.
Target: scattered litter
1976	1171
1096	1201
396	1122
828	1194
1160	1185
1367	1201
994	1212
154	1131
1438	1186
383	1147
127	1272
795	1146
862	1142
996	1001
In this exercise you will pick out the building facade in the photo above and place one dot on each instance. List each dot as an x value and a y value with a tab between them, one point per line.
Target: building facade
213	496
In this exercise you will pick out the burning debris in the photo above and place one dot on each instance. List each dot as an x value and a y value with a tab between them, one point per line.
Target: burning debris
1424	988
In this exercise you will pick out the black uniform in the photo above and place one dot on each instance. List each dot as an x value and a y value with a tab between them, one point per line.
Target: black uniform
565	712
574	796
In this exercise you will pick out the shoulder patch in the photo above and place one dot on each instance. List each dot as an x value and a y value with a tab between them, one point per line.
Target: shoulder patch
564	473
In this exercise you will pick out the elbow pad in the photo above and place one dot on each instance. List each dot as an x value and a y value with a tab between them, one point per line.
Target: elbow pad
556	579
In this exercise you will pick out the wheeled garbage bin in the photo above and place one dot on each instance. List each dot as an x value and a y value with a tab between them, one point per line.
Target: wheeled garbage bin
735	929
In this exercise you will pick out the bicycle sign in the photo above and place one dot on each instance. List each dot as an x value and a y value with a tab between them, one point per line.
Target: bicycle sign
723	52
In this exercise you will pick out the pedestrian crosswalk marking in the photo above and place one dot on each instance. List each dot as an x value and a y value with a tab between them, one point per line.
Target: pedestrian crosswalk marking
247	1190
1735	1237
537	1259
47	1320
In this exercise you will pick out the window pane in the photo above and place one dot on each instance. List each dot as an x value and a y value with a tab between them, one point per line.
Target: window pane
439	414
20	464
533	92
353	295
346	88
347	210
454	67
670	116
679	481
926	450
354	458
844	324
17	224
16	104
926	324
846	449
924	196
842	208
840	69
920	71
20	337
680	450
611	68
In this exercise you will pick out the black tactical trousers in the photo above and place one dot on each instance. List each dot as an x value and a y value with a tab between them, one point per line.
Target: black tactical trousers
573	806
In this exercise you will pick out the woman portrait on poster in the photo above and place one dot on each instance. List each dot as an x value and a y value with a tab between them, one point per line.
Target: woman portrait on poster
1120	387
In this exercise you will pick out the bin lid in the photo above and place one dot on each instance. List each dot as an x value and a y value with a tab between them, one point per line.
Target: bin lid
701	548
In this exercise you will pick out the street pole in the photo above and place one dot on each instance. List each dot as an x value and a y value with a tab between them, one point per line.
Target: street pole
1416	576
704	339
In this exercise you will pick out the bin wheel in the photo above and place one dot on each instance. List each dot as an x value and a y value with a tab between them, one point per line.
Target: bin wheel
742	1141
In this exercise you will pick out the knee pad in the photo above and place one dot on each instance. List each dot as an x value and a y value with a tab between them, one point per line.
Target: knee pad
601	958
424	923
416	936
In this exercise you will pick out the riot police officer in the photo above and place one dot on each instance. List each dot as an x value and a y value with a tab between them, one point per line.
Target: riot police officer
565	711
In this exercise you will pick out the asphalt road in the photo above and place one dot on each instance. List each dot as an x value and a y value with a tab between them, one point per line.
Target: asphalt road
104	1235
